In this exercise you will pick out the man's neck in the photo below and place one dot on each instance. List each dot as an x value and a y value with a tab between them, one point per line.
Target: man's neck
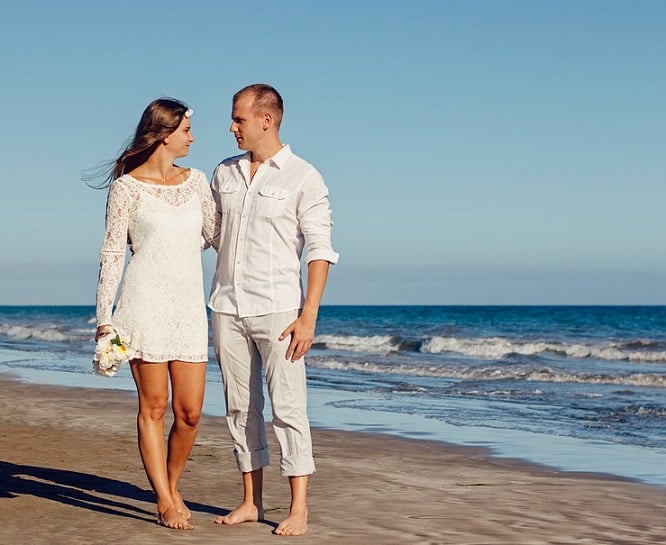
258	156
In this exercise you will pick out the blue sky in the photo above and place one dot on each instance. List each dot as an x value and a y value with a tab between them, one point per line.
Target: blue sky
477	152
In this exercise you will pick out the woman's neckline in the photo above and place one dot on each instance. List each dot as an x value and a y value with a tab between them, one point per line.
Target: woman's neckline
189	177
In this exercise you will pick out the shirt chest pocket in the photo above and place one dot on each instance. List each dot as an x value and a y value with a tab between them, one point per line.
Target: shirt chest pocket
230	195
271	201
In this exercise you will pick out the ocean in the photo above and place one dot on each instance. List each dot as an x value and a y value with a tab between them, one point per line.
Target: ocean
575	388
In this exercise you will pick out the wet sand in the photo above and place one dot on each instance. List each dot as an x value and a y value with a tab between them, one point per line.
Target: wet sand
70	474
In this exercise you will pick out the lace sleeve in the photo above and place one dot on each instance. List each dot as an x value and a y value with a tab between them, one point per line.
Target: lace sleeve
211	217
114	247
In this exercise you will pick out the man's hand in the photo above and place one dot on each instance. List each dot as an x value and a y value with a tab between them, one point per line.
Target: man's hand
302	332
302	329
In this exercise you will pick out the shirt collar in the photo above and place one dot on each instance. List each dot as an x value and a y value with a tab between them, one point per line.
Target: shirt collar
278	160
281	157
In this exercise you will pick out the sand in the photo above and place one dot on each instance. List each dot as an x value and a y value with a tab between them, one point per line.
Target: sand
70	474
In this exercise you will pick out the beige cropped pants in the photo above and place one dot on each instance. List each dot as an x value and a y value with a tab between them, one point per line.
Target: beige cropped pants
243	347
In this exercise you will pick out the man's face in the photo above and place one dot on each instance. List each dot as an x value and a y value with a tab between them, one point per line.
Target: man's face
246	125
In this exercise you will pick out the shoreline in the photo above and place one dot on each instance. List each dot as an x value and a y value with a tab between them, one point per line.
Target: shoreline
71	474
329	409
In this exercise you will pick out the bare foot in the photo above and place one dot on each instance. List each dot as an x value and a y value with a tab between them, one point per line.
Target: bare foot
242	513
296	524
181	507
171	518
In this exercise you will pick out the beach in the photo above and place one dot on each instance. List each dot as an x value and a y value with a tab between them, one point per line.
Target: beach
71	474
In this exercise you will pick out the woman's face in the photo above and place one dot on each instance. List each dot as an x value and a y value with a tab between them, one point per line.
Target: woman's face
178	142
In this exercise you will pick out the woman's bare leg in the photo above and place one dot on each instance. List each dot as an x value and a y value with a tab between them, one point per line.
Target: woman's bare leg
152	385
187	389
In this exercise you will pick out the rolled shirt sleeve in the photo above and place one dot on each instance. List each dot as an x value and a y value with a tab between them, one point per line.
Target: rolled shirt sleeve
314	212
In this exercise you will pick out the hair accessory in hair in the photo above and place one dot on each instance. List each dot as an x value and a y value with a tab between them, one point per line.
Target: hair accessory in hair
188	113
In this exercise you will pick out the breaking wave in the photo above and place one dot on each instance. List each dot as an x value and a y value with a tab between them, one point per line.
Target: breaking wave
526	373
45	333
498	347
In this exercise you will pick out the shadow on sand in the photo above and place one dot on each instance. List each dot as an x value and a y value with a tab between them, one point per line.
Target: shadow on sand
85	491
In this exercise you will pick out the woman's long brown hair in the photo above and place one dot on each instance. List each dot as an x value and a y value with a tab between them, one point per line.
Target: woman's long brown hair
160	118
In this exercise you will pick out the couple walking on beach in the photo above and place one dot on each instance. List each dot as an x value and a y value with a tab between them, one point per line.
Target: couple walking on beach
261	210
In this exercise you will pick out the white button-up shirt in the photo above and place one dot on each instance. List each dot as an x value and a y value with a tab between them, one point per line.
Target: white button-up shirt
265	225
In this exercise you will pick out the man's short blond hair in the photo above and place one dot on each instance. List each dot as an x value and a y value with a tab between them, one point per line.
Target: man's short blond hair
266	99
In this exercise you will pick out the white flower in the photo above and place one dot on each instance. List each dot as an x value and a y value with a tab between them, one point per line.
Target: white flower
110	353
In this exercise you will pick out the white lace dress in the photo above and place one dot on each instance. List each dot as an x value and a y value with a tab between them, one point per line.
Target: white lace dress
161	312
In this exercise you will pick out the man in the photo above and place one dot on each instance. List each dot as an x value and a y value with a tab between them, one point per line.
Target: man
273	205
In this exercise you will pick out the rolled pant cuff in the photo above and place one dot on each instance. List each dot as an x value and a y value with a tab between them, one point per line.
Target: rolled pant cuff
251	461
297	466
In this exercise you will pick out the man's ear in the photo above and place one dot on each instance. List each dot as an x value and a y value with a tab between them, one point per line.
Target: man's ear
268	121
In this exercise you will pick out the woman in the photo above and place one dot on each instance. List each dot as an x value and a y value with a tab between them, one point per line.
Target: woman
162	210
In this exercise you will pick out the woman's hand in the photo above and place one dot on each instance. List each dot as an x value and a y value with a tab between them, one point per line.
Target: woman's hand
103	330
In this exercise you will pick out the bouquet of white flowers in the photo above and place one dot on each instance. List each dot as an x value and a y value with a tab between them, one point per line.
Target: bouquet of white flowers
110	353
